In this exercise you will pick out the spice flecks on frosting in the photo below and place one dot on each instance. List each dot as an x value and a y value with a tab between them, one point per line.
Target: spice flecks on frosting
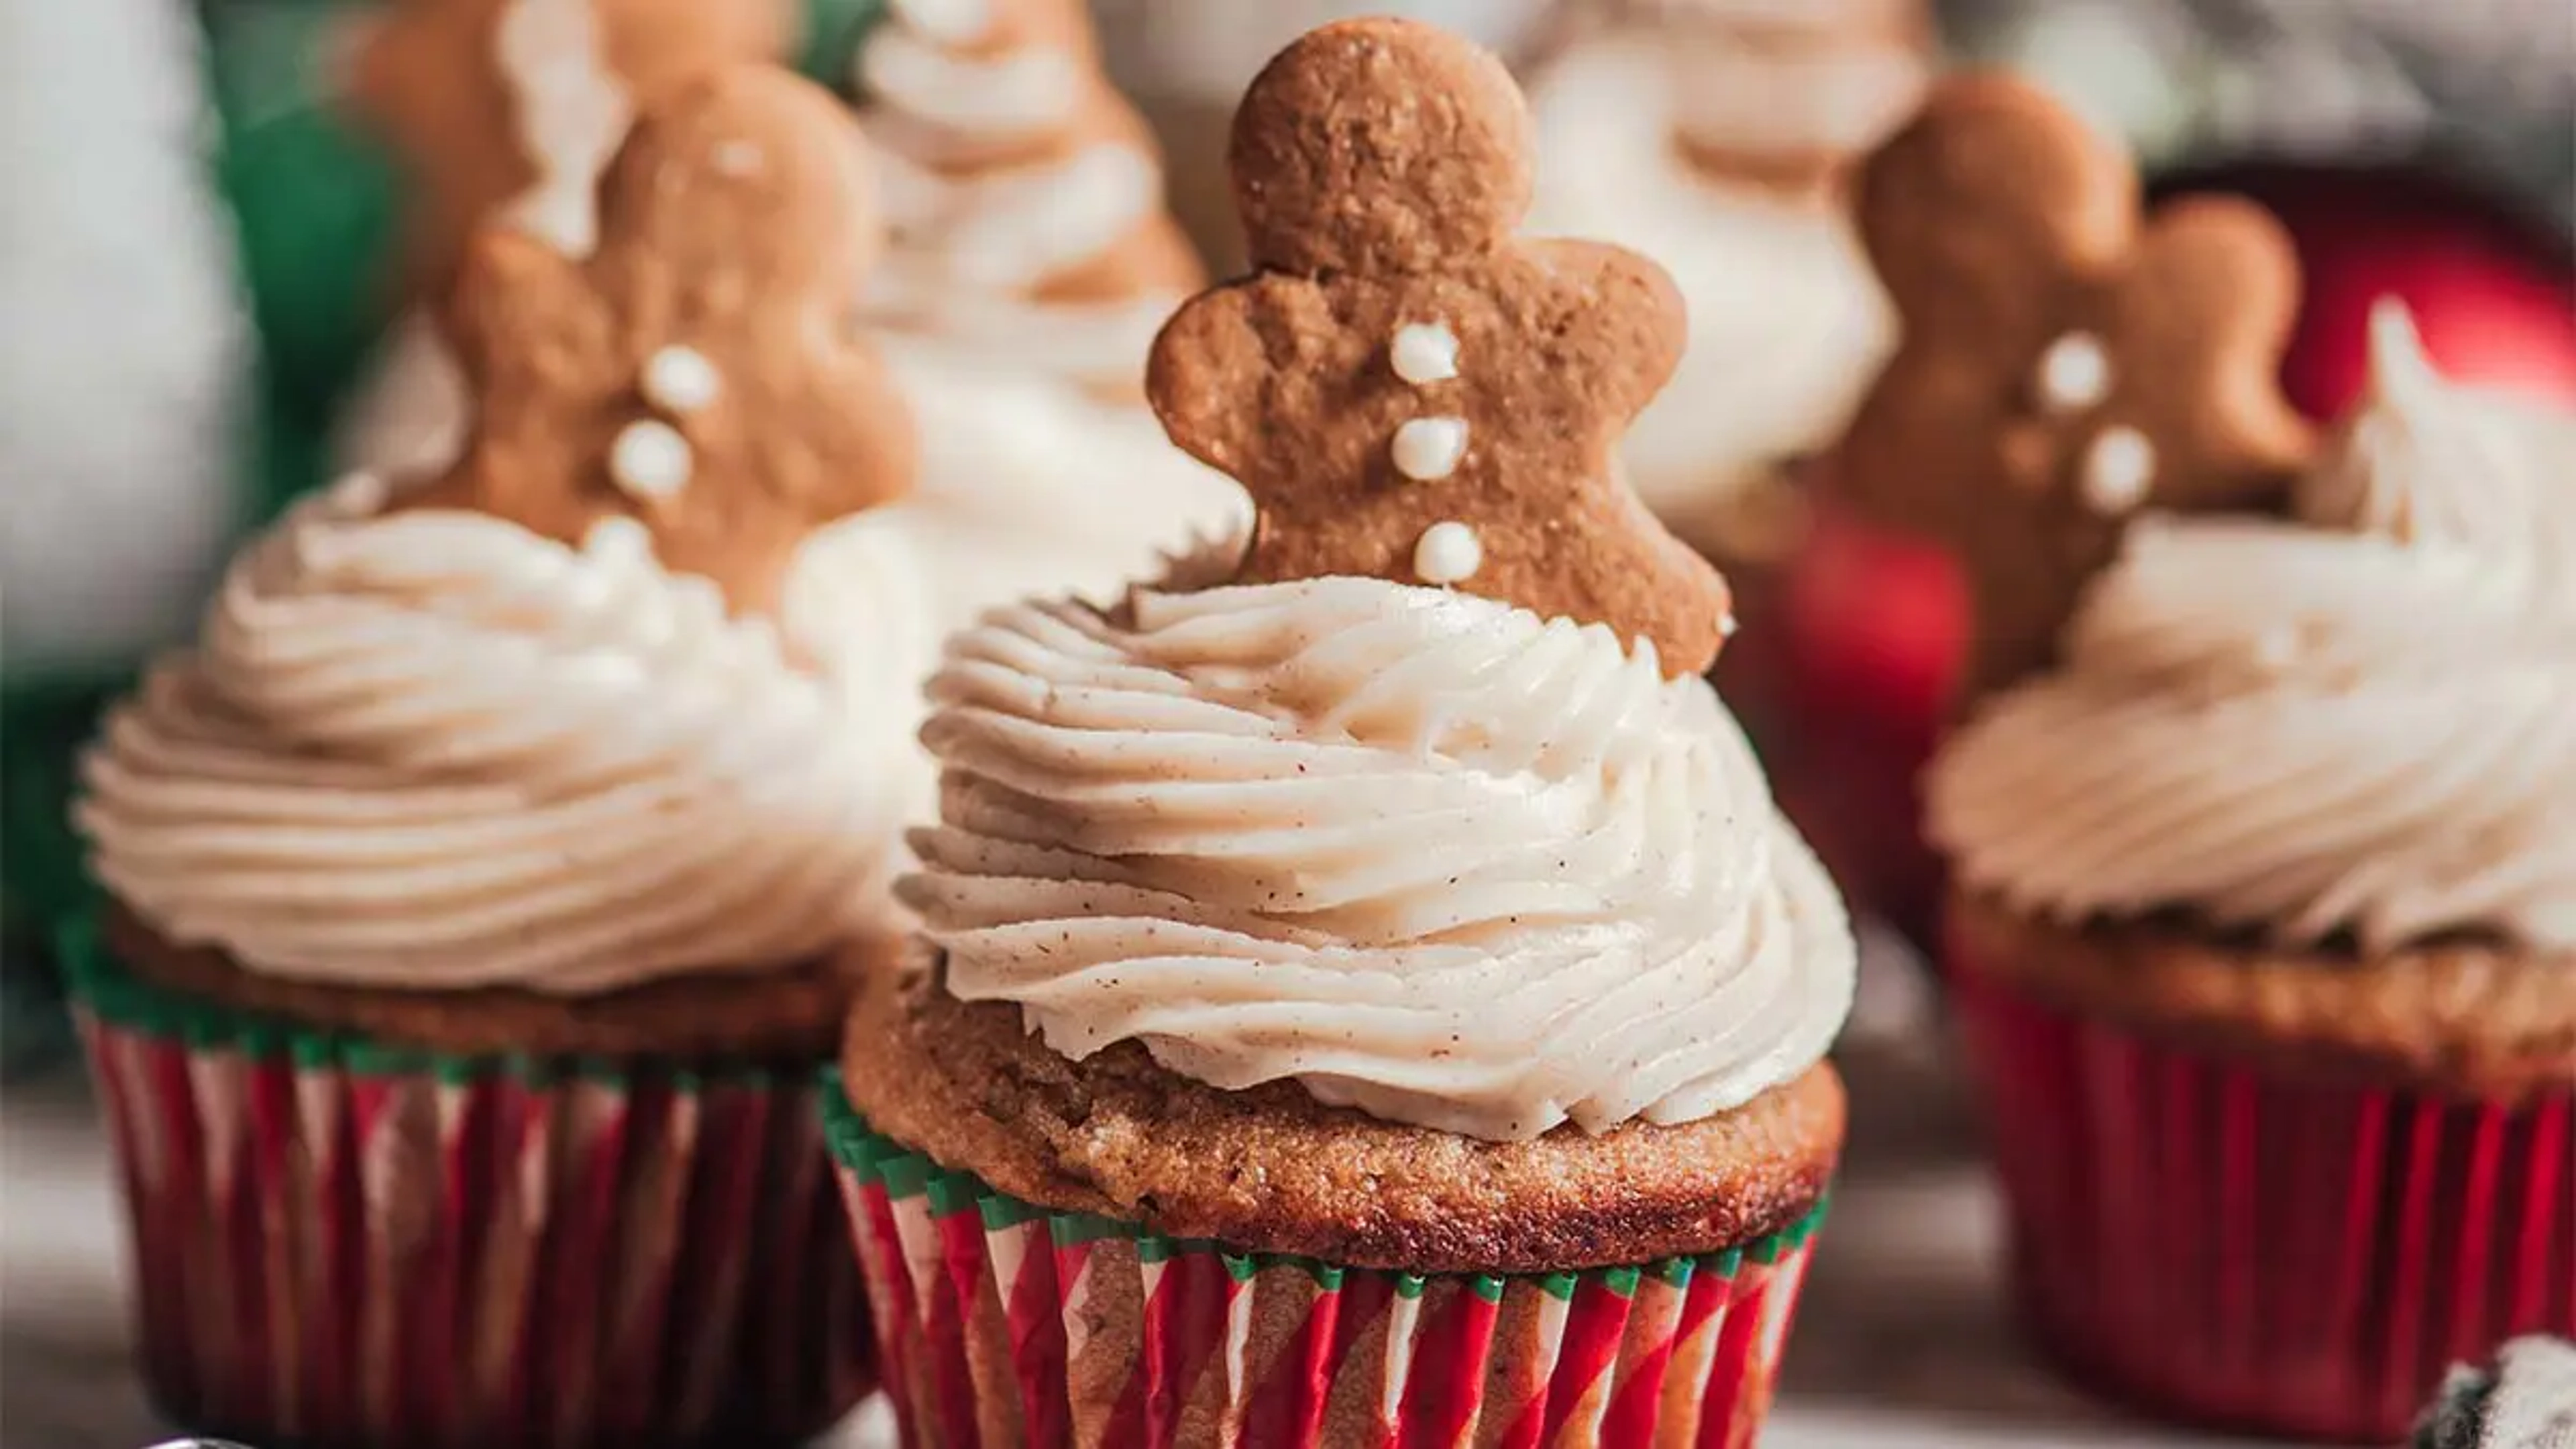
2356	723
1318	830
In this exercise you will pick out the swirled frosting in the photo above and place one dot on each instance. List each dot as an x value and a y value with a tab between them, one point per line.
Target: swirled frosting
2360	723
431	750
1420	851
1787	319
976	248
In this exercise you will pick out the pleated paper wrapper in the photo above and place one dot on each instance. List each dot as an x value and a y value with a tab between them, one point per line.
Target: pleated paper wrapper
2256	1252
335	1243
1002	1324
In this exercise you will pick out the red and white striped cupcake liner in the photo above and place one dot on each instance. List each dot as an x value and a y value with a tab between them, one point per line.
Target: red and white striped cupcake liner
1002	1324
340	1244
2206	1241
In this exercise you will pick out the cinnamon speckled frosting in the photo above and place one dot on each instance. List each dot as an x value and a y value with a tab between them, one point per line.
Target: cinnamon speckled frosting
431	750
2359	722
1422	852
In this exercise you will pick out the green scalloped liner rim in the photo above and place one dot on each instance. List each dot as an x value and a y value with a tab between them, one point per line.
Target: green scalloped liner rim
874	1158
108	991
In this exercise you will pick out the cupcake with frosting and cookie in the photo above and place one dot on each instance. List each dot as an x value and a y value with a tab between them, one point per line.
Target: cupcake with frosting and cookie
484	881
1366	992
2263	917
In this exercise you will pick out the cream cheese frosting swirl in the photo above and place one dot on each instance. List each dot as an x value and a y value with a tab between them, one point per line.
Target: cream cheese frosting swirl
2361	723
1420	851
432	750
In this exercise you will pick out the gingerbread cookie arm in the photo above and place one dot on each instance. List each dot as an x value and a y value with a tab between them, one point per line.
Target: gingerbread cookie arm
1624	318
2219	275
858	446
1212	379
527	329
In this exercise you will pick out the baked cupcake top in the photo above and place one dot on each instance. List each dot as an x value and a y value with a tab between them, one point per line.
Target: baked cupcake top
1428	808
2353	724
1709	135
577	713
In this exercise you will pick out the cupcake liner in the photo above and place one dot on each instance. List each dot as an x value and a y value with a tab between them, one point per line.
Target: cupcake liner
1003	1324
2259	1253
340	1244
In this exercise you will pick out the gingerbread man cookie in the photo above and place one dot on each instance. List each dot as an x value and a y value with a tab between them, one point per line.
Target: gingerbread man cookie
514	106
2066	363
1408	390
695	371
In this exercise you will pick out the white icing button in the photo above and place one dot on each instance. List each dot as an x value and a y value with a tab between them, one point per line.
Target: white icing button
1429	448
1726	625
1424	352
2117	470
2074	373
680	380
1447	553
649	459
736	158
616	540
951	22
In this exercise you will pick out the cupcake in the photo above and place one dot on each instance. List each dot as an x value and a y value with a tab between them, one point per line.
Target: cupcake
482	882
2262	921
1032	258
1365	991
1712	135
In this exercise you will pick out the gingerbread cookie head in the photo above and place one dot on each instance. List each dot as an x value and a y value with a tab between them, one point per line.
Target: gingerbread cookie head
694	372
510	108
1409	391
2066	363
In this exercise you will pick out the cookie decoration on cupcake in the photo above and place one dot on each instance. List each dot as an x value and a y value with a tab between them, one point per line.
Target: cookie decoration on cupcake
1387	946
1026	194
534	816
693	371
1407	389
506	112
2067	361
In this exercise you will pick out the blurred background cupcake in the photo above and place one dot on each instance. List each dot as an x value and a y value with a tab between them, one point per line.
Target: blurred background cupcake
2259	927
